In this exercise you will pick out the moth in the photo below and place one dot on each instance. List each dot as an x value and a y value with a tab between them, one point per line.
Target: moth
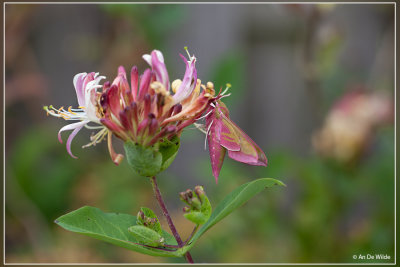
224	135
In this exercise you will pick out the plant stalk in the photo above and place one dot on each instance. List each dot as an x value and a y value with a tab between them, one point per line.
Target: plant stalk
171	225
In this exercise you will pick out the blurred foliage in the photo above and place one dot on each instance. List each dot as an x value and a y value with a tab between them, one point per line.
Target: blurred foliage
155	20
230	68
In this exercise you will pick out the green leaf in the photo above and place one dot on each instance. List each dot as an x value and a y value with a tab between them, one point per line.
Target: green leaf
169	150
150	214
234	200
196	217
146	236
146	161
112	228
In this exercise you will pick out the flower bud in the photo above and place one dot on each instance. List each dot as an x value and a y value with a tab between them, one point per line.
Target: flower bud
199	207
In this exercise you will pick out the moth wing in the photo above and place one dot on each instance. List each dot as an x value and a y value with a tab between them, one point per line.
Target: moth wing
229	138
217	152
249	152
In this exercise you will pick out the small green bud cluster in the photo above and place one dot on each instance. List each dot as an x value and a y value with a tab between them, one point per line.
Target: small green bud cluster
199	207
147	230
142	219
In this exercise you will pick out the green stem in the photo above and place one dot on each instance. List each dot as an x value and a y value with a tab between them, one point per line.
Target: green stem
171	225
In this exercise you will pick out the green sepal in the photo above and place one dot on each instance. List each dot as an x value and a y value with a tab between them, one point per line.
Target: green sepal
149	161
169	150
146	161
146	236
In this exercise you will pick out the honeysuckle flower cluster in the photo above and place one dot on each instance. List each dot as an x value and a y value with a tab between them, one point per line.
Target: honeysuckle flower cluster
143	111
146	109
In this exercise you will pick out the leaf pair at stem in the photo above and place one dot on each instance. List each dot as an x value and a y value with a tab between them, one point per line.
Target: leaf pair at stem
113	227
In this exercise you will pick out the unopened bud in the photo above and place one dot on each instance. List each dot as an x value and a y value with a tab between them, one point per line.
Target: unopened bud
170	129
153	126
189	193
199	190
196	204
199	210
177	109
183	196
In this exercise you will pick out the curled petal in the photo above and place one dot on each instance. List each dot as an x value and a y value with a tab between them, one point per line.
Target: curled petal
116	158
76	127
70	138
70	127
189	81
78	84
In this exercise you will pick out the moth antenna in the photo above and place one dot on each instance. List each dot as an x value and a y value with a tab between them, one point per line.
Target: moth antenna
208	130
208	113
212	104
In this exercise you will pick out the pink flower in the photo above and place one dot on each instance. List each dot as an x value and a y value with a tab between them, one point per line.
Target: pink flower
144	111
86	86
351	123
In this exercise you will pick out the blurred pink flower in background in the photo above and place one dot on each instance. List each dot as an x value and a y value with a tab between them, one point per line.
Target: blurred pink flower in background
351	123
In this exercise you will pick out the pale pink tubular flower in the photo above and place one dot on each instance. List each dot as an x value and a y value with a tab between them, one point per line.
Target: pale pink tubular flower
156	62
189	80
86	86
186	87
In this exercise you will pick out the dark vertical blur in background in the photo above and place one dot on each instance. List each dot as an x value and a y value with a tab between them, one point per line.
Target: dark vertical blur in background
288	66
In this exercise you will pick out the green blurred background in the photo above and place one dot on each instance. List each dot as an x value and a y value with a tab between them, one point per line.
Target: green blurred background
288	64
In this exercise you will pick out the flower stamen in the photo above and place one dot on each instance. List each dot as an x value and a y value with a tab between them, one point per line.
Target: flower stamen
228	85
